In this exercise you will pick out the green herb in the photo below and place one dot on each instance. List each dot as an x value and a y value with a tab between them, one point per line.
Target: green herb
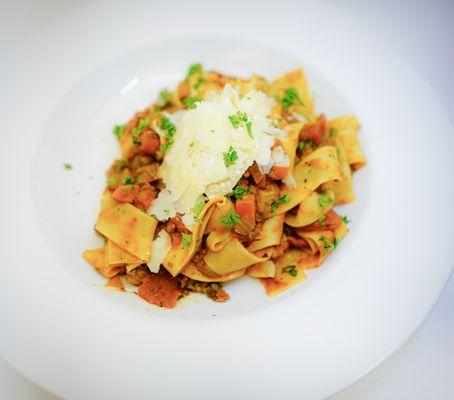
190	101
301	145
67	166
291	97
167	212
230	157
168	126
165	96
231	219
120	166
290	269
283	199
240	191
152	175
327	243
187	240
192	144
111	181
212	130
321	219
324	201
333	132
117	129
197	210
215	286
346	220
194	69
143	123
241	119
199	82
165	146
128	181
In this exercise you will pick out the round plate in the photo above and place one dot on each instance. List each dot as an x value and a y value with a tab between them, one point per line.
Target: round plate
65	88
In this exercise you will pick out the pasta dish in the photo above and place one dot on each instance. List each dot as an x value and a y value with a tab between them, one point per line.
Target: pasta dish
222	178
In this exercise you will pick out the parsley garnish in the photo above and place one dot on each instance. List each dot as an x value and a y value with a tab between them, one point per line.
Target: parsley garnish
168	126
327	243
291	97
230	157
187	240
324	201
120	166
290	269
241	119
197	210
111	181
165	146
301	145
333	132
143	123
199	82
283	199
231	219
117	129
240	191
128	181
193	69
67	166
190	101
346	220
165	96
321	219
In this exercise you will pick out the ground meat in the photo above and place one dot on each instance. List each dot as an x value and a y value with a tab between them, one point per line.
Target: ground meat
213	290
137	275
281	247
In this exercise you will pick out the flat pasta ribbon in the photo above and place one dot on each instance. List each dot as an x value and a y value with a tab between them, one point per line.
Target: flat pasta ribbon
316	168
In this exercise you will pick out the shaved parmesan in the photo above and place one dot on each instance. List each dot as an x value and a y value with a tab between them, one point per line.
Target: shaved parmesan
159	249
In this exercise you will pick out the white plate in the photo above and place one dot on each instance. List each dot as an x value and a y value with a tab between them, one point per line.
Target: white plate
62	92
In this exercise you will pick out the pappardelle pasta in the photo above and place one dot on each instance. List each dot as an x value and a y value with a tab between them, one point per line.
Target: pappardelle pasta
225	177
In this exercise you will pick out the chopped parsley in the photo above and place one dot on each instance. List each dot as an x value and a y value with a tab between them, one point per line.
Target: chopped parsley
240	191
346	220
199	82
67	166
230	157
111	181
117	129
231	219
212	130
324	201
187	240
290	269
197	210
165	146
283	199
128	181
190	101
333	132
327	243
301	145
194	69
191	144
291	97
165	97
120	166
168	126
143	123
321	219
241	119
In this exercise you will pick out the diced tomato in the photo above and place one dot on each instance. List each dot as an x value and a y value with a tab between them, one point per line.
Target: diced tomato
246	208
314	132
125	193
176	239
145	196
278	172
161	289
149	142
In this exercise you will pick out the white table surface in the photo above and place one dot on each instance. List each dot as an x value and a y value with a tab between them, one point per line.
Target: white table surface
423	32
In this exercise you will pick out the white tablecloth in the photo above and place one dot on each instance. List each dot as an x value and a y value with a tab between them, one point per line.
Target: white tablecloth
423	31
